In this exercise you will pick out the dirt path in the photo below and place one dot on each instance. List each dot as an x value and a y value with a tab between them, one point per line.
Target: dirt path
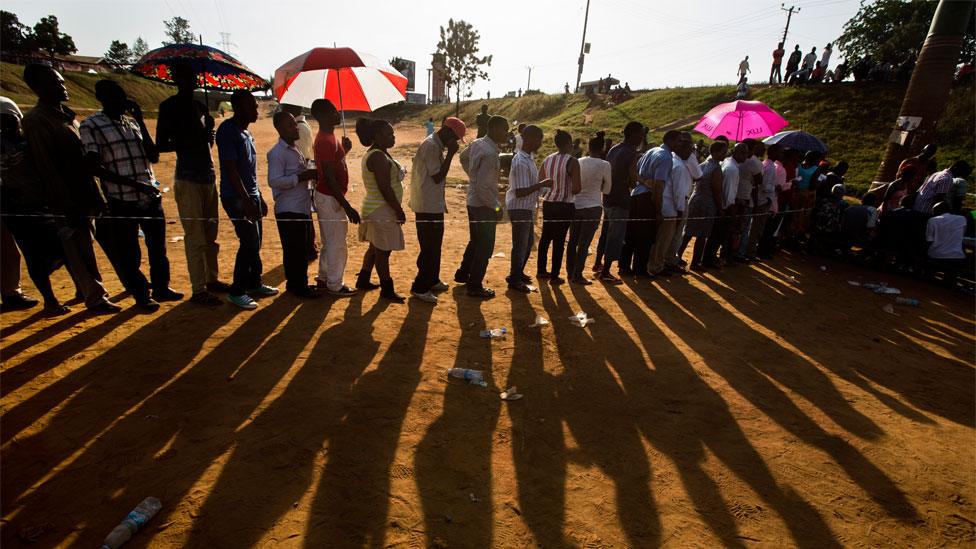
773	405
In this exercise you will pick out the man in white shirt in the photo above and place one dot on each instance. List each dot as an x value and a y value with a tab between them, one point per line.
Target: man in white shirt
480	162
427	176
288	177
773	176
810	59
595	181
944	233
825	56
521	201
743	68
750	177
721	231
672	206
304	143
694	170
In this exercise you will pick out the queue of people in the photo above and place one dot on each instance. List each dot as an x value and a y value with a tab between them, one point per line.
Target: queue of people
740	204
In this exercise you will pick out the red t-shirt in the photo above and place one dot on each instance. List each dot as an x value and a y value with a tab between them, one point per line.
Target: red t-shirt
328	150
778	56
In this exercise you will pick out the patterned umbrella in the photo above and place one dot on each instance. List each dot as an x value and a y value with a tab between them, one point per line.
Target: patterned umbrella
216	70
351	79
739	120
801	141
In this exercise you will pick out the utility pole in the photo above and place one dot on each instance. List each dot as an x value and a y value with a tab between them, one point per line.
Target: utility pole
528	85
928	90
225	43
788	17
586	19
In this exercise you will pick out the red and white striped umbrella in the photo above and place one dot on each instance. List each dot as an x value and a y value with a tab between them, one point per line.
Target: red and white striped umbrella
352	80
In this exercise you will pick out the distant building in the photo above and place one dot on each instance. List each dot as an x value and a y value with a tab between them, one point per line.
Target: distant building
416	98
83	63
602	85
438	85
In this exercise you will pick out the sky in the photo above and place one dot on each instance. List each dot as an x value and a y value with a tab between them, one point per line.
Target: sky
646	43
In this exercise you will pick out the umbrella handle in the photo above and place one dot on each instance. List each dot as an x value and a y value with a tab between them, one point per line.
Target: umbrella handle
342	113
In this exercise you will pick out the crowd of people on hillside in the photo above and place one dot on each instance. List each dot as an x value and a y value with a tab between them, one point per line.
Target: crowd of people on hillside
65	185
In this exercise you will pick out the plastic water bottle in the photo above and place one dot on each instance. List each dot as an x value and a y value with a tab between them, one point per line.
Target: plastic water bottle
907	301
494	334
474	377
136	519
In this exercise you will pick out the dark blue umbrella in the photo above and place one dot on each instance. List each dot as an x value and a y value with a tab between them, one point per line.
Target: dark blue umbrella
216	70
799	140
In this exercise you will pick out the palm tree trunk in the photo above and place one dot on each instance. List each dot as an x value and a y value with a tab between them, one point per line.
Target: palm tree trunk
928	90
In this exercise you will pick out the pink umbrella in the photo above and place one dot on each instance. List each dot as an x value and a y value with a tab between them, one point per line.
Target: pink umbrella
741	119
350	79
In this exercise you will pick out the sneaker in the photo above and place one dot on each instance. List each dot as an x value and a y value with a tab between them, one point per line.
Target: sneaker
149	304
243	301
105	308
581	281
344	291
55	310
520	287
218	286
264	289
440	287
308	292
609	278
205	298
427	297
482	293
167	294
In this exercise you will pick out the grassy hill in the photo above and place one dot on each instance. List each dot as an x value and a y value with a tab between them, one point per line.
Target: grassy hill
854	119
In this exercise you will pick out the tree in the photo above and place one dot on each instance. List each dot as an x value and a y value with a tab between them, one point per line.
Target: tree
17	39
49	38
457	58
178	31
119	55
892	30
139	48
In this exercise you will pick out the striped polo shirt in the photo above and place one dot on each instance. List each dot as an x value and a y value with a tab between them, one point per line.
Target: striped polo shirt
522	175
556	167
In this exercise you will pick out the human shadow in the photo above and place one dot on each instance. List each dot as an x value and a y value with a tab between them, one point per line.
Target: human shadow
166	432
758	379
946	388
453	461
599	412
538	450
682	416
276	452
352	500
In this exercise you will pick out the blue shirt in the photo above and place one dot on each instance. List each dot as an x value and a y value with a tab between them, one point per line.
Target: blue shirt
655	164
237	145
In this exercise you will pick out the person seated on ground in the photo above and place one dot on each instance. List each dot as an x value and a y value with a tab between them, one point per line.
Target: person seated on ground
944	233
829	177
914	169
817	75
743	90
859	221
827	220
901	234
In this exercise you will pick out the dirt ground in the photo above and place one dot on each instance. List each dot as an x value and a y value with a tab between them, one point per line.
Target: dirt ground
768	405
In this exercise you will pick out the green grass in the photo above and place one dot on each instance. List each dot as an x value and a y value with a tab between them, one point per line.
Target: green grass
81	88
854	119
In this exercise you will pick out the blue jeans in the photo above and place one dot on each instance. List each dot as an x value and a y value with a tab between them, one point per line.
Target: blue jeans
615	231
585	223
247	264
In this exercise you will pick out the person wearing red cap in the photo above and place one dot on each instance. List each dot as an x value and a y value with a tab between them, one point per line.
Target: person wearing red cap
430	167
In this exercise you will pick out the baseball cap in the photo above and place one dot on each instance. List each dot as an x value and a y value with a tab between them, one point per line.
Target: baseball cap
7	106
457	126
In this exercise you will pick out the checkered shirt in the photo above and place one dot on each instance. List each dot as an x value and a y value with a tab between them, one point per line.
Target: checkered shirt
119	144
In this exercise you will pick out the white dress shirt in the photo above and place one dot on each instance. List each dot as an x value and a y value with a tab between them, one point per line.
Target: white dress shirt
676	190
730	181
480	162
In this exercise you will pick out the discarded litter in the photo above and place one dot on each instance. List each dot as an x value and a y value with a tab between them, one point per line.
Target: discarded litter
887	290
871	286
539	321
511	394
580	319
176	238
494	333
499	254
142	234
823	268
474	377
473	498
165	189
136	519
853	283
889	309
907	301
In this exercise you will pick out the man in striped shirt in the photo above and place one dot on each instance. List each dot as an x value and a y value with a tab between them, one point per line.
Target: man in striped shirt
521	200
558	209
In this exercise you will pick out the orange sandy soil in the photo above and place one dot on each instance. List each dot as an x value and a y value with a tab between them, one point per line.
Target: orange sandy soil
768	405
